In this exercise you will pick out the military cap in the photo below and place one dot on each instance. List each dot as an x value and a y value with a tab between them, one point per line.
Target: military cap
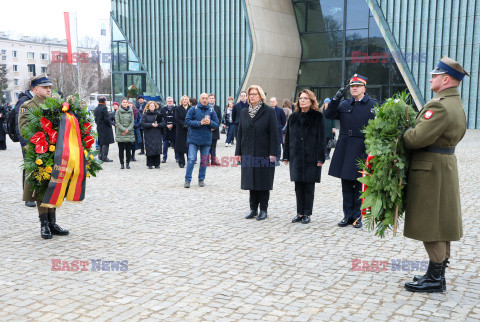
40	80
358	80
446	65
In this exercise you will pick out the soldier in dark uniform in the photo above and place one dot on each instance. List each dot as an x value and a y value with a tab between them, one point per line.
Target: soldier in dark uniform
168	115
433	212
354	115
41	89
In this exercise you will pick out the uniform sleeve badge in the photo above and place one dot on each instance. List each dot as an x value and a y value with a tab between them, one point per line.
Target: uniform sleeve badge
22	110
428	114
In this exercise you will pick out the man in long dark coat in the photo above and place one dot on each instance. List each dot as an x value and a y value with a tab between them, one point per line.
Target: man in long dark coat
104	129
354	115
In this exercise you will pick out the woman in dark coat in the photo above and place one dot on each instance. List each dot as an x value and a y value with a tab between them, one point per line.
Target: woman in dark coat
152	133
182	129
257	145
305	151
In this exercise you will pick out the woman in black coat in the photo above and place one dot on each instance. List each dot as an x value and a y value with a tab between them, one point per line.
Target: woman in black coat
257	144
305	151
152	133
182	129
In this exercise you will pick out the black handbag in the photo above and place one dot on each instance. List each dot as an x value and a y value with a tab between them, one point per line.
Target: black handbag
332	144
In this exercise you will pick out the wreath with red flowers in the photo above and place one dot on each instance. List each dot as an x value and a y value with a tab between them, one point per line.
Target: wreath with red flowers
42	128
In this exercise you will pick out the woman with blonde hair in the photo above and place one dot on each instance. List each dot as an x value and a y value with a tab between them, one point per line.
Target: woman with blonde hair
305	151
152	131
257	145
181	146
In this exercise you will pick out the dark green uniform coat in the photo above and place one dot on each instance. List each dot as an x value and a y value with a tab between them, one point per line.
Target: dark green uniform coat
433	210
22	121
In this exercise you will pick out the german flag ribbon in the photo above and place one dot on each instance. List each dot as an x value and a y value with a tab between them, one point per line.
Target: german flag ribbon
68	175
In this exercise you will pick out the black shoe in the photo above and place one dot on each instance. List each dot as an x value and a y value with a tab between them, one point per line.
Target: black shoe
54	228
262	215
176	160
107	160
297	218
150	167
45	227
444	283
157	167
142	152
186	184
252	214
345	222
133	159
30	203
358	223
431	282
164	161
201	183
181	166
128	166
305	219
122	167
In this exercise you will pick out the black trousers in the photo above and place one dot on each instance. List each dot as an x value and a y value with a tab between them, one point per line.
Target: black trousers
327	150
153	160
259	197
124	148
213	150
181	159
103	153
305	192
142	145
3	144
351	198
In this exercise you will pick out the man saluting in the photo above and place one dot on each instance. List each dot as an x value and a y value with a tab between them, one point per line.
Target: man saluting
433	213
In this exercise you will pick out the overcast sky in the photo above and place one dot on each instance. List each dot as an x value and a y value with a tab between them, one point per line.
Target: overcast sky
45	18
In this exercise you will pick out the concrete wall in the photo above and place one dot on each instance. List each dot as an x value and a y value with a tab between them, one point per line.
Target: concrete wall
276	47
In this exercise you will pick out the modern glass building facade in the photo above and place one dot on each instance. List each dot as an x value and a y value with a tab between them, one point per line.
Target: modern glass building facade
340	38
171	48
184	46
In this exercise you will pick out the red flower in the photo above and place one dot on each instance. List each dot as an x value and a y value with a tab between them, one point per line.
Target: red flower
46	124
41	147
89	141
87	127
38	138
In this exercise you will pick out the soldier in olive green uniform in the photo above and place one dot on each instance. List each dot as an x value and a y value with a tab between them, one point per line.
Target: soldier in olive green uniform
433	213
41	89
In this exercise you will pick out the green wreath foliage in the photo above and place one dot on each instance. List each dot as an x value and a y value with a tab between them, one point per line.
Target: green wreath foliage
386	175
37	174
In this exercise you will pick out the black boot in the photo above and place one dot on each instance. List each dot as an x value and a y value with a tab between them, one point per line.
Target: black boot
262	215
54	228
444	283
122	166
431	282
44	227
252	214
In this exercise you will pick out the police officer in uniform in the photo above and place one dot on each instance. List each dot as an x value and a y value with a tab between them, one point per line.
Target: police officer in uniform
41	89
354	115
433	212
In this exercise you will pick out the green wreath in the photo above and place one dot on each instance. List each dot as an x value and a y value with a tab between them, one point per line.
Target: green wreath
43	123
386	170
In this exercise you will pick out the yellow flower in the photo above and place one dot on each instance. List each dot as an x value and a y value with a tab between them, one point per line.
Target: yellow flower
88	175
91	156
48	169
46	176
51	148
39	162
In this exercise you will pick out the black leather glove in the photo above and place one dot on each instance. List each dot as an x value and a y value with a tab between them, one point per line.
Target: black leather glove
341	93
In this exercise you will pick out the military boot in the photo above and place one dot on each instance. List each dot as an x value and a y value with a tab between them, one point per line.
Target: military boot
444	283
431	282
44	227
54	228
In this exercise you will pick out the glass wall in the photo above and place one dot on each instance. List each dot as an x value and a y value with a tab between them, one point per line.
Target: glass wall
188	47
341	38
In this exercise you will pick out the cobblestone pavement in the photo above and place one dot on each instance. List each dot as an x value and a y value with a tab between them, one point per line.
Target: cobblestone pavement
192	255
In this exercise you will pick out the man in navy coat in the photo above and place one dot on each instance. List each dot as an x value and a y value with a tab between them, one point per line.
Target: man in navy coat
354	115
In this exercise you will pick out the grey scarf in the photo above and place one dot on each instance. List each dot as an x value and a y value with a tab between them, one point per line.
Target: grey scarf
253	110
